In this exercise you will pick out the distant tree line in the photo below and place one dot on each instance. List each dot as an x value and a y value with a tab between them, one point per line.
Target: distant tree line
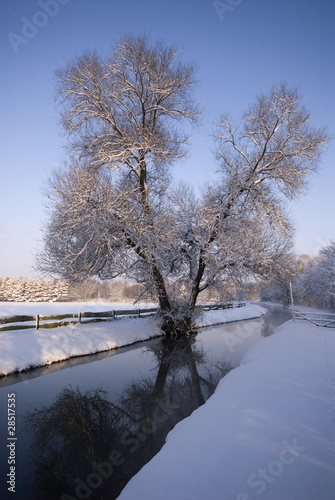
16	289
312	278
109	291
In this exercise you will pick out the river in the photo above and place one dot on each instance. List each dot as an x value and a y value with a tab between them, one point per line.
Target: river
85	426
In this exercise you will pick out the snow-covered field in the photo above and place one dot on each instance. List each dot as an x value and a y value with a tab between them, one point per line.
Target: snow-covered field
33	308
268	432
23	349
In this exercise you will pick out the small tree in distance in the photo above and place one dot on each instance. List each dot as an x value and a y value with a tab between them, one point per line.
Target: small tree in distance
114	209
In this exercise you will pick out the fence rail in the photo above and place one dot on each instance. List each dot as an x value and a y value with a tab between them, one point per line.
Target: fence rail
56	320
318	319
214	307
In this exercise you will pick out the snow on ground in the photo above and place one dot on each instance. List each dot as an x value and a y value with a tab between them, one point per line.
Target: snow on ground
33	308
23	349
250	311
268	432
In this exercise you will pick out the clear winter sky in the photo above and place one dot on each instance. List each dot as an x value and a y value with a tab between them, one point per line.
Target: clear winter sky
254	44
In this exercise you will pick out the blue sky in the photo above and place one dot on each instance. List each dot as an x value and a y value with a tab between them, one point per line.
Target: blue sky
239	52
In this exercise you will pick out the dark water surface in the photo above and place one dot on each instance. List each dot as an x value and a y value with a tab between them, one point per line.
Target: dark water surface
85	426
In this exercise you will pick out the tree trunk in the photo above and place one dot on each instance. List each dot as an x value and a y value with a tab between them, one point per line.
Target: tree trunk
196	284
162	295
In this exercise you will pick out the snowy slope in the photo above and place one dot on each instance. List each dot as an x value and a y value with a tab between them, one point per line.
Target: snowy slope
268	432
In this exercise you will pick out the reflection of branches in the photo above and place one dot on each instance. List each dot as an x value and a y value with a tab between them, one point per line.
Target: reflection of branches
70	434
137	400
79	431
215	374
176	361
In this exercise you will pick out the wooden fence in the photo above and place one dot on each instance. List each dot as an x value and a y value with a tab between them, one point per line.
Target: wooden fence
53	321
318	319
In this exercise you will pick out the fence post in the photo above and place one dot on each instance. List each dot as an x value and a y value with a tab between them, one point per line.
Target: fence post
37	321
79	317
292	303
138	313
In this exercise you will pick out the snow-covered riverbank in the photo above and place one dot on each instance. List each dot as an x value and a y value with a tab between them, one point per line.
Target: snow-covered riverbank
268	432
23	349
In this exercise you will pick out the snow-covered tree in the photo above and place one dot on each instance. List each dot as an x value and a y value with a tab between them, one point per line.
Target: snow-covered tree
304	289
1	290
114	210
16	289
325	275
5	286
313	279
277	288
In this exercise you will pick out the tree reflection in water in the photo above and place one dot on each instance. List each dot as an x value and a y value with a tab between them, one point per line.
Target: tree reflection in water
87	447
